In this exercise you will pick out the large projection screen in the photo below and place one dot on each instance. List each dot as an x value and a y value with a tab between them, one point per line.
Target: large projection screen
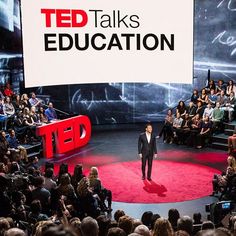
103	41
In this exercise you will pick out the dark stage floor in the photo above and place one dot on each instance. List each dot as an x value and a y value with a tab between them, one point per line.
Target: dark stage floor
114	144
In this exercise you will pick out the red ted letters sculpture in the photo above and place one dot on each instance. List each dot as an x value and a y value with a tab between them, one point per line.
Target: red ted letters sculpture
69	134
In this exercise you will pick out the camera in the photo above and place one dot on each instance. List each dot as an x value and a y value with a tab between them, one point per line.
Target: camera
219	210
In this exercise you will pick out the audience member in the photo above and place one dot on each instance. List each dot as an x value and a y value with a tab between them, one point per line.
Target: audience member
212	98
50	112
185	223
220	87
229	106
220	181
173	216
142	230
116	231
208	111
230	88
162	227
126	223
89	227
217	118
203	98
195	96
205	132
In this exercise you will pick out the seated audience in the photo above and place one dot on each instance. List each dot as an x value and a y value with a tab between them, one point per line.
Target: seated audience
230	88
167	128
200	109
220	87
184	132
207	225
181	109
126	223
147	218
195	96
77	176
15	146
97	188
205	132
203	98
3	115
50	112
88	204
212	98
177	123
34	115
25	101
220	181
41	194
208	111
191	110
185	223
173	216
17	103
210	86
8	92
217	118
162	227
4	146
89	227
34	101
42	117
49	183
229	106
142	230
116	231
8	107
222	99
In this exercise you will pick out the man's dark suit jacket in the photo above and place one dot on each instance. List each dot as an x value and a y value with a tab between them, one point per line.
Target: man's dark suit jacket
147	149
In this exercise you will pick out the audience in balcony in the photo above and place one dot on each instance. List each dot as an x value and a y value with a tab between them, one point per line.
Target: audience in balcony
210	86
8	107
220	87
230	88
8	92
181	109
191	109
200	108
50	112
212	98
229	106
167	128
203	98
205	132
208	111
217	118
34	101
195	96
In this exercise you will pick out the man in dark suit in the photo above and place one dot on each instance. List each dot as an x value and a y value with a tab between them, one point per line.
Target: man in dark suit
147	150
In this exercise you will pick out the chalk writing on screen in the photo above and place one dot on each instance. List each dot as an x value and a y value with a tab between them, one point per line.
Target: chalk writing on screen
229	5
226	39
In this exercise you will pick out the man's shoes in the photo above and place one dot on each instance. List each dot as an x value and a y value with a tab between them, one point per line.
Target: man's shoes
149	179
143	178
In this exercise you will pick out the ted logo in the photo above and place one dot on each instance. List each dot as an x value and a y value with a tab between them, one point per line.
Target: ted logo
69	134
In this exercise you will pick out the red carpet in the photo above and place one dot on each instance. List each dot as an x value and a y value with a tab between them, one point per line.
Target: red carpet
171	181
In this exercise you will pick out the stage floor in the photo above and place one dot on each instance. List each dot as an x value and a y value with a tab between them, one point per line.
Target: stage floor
116	147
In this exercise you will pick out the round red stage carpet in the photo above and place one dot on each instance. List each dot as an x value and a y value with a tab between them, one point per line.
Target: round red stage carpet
171	181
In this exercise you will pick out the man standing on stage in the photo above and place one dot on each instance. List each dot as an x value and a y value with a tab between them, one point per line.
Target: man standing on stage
147	150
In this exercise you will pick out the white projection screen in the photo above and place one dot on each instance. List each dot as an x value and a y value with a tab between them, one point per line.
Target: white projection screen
103	41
